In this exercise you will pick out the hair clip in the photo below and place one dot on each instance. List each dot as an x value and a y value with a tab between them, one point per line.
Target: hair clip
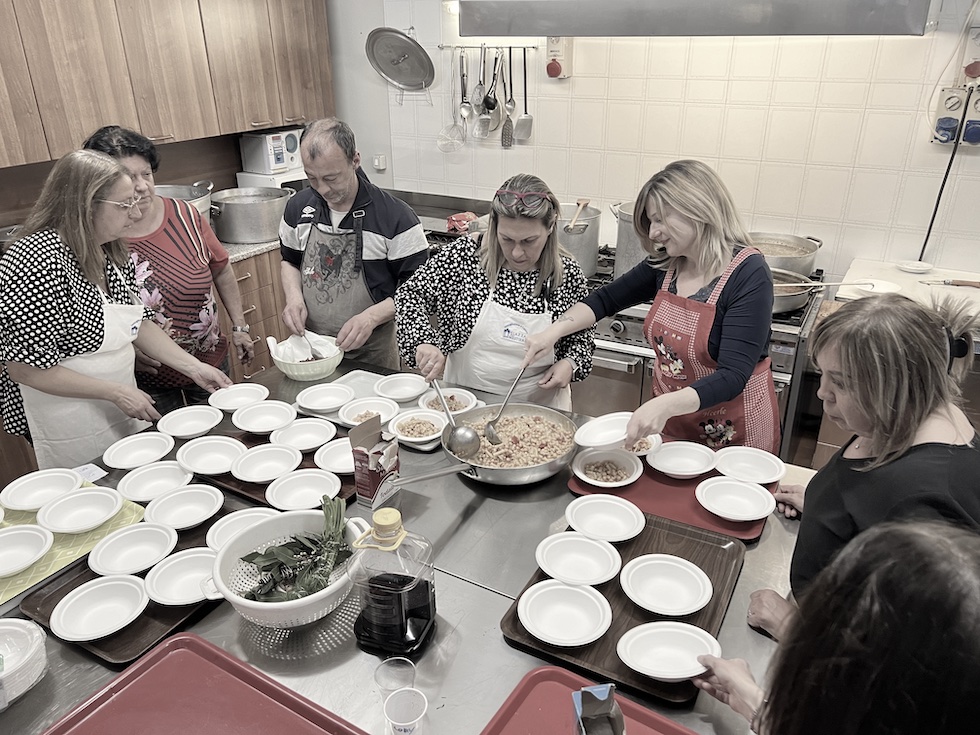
958	347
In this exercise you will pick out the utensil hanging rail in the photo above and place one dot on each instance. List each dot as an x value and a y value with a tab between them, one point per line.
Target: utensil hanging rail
444	46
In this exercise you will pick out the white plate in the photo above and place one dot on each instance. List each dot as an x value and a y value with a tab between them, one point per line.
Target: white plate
34	489
234	397
152	480
137	450
80	511
605	517
184	507
666	584
386	407
190	421
575	558
227	527
132	549
438	419
264	417
401	387
177	580
913	266
666	650
735	500
875	285
210	455
750	464
563	614
305	434
266	462
23	653
655	442
682	460
99	608
604	432
325	397
336	456
620	457
459	393
21	546
302	489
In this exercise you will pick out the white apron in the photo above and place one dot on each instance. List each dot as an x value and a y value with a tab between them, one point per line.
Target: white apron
68	432
492	356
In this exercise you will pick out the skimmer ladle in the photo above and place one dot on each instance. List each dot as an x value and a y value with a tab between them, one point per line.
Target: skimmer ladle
463	441
490	431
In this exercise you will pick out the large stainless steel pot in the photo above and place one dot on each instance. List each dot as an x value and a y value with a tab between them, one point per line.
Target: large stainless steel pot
514	475
629	250
790	298
788	252
248	215
198	195
583	240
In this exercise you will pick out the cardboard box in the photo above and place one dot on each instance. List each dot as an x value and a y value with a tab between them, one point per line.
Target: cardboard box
598	711
375	459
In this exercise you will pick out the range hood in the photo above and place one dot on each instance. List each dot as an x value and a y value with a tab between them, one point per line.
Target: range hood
697	17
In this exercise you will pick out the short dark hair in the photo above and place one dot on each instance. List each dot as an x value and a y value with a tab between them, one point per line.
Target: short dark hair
120	142
329	129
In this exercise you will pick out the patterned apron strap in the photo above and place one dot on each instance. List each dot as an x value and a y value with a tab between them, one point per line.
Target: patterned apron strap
358	215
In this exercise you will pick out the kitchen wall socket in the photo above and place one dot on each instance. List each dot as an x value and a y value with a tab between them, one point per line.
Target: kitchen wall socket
559	55
972	51
949	110
379	161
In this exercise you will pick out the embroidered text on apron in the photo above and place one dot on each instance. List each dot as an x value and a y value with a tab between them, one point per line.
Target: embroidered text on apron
677	328
492	356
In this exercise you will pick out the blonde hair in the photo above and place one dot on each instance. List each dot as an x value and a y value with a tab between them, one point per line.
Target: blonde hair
67	206
898	362
694	190
547	212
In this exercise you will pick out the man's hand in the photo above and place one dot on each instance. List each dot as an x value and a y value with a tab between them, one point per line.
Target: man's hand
244	347
294	317
356	331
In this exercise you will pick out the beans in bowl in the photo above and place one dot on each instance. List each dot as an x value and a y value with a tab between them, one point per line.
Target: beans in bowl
364	416
454	403
416	427
527	441
605	471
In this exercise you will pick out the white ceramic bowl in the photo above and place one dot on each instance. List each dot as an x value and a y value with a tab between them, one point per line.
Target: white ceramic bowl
626	461
461	395
605	517
312	369
305	434
99	608
132	549
29	492
325	397
574	558
336	456
401	387
137	450
227	527
266	462
666	584
232	398
735	500
604	432
190	421
437	418
153	480
177	580
210	455
184	507
79	511
302	489
666	650
385	407
563	614
264	417
750	464
682	460
655	441
21	546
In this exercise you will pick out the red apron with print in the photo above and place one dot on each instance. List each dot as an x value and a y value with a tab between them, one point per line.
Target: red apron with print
677	328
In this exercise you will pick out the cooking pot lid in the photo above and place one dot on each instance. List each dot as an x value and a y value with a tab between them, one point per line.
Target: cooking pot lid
400	59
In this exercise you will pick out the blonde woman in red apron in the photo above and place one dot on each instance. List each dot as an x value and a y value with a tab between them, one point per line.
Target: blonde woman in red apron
709	323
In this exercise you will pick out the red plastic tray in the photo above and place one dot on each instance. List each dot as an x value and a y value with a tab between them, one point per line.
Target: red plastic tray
542	702
187	685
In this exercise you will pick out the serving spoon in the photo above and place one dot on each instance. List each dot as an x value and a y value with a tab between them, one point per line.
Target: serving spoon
490	430
463	441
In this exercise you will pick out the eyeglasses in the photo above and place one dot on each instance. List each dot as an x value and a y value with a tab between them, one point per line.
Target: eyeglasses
128	206
529	199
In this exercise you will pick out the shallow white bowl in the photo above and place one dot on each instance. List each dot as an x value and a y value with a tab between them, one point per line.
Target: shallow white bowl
336	456
913	266
29	492
184	507
190	421
325	397
438	419
177	580
153	480
575	558
302	489
227	527
132	549
266	462
623	459
604	432
99	608
80	510
305	434
750	464
264	417
210	455
682	460
401	387
563	614
666	650
666	584
386	407
21	546
605	517
656	441
234	397
137	450
735	500
459	393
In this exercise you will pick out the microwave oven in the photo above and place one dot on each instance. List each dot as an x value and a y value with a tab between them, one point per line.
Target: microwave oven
294	179
271	152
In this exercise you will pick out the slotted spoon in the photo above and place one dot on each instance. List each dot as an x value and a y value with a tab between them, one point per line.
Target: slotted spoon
490	431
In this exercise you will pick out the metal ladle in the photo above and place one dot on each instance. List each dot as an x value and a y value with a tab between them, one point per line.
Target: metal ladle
463	441
490	430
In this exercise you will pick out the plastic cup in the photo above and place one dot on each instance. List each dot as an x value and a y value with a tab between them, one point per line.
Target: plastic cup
393	674
404	710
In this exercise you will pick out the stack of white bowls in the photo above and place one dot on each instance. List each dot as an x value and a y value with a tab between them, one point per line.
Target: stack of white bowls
24	657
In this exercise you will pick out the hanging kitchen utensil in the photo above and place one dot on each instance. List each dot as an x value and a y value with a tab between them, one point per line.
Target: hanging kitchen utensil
481	129
510	104
465	107
490	100
572	227
507	132
400	59
451	137
496	109
522	128
481	88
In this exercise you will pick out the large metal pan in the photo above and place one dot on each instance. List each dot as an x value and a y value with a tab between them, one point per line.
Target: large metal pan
790	298
514	475
788	252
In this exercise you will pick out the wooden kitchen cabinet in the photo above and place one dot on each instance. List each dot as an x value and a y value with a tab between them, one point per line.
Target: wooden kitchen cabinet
23	138
302	50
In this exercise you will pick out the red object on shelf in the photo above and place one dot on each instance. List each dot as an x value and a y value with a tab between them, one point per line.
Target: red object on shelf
554	69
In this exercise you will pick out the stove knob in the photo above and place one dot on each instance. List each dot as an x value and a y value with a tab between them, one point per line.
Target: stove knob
617	326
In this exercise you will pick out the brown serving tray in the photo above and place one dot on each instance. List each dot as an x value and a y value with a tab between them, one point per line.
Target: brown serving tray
188	685
719	556
154	624
542	703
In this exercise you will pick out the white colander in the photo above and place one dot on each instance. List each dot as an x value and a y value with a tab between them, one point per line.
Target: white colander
233	577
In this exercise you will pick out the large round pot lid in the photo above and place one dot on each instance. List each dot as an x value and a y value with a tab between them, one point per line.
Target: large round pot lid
400	59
